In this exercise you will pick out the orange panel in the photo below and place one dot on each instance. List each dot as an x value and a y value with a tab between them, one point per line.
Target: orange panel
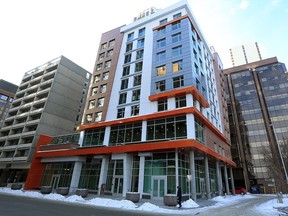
152	146
182	91
37	168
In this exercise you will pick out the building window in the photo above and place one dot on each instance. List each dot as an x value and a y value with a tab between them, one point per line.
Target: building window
101	56
125	133
105	76
99	67
161	31
103	88
129	47
137	80
94	137
97	78
176	37
176	51
178	82
139	54
199	131
161	56
108	64
162	105
109	53
136	95
88	118
124	84
122	98
160	86
91	104
167	128
161	70
140	43
100	102
138	67
180	101
130	36
127	58
135	110
103	46
177	66
121	113
161	43
94	91
197	84
177	15
176	25
126	71
141	32
98	116
163	21
112	43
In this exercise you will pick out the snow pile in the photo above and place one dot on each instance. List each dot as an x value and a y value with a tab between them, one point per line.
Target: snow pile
112	203
149	206
189	204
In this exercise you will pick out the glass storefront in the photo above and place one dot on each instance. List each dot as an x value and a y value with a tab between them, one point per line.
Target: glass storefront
90	174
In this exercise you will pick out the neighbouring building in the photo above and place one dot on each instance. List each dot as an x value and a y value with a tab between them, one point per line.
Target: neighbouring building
7	93
257	98
50	100
152	120
245	54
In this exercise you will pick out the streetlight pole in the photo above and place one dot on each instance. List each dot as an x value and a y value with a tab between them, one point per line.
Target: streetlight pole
280	152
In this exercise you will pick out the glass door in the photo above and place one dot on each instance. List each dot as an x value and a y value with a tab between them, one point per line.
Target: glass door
159	185
118	185
55	181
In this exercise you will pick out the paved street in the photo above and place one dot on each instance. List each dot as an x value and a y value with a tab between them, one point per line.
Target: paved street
24	206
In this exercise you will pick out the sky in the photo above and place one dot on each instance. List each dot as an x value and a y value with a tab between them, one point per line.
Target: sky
189	207
33	32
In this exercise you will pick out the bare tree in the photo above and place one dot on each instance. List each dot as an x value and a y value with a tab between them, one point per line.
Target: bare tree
276	160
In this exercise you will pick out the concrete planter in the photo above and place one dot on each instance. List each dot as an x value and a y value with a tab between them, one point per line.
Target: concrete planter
82	192
170	200
16	186
133	196
46	189
62	190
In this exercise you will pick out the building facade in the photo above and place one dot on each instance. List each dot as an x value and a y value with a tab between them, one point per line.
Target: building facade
152	119
257	97
7	93
50	100
245	54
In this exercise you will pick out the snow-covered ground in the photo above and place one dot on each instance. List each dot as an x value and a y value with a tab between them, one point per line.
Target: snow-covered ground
188	207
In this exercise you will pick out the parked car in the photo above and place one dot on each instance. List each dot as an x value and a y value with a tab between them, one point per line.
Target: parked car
240	190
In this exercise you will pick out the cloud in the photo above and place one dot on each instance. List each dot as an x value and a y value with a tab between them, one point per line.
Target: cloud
243	4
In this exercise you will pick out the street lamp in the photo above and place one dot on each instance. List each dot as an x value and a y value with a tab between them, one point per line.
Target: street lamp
280	152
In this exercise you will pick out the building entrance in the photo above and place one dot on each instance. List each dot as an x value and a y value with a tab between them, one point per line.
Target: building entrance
159	185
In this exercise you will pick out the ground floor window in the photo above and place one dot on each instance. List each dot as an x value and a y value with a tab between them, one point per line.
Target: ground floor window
200	177
183	171
135	174
90	174
57	175
160	172
114	182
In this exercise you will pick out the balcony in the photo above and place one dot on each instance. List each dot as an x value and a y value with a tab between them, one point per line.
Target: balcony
10	147
6	159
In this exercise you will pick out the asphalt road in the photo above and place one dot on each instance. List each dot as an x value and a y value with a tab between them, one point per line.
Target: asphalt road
25	206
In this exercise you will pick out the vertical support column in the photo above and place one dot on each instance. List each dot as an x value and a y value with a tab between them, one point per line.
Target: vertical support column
219	178
103	173
232	180
141	174
226	180
190	126
177	168
207	177
127	173
107	136
81	138
75	176
144	131
193	175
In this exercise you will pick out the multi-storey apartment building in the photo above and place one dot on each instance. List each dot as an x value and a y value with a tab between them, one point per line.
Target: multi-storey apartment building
258	112
152	119
7	93
50	100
